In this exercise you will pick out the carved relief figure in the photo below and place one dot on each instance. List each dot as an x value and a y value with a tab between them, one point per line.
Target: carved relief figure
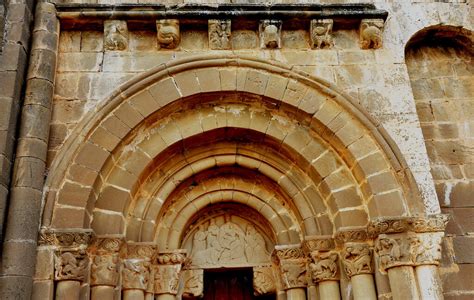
270	31
71	265
293	273
321	31
168	33
357	259
324	266
371	33
227	245
219	34
263	281
193	283
115	35
167	279
135	274
104	270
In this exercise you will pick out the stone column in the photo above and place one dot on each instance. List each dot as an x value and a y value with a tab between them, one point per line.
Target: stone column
167	273
357	261
136	270
23	217
292	262
104	268
71	269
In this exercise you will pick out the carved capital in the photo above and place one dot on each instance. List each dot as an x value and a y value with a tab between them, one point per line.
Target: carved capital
370	33
193	283
168	270
321	33
292	262
115	35
324	266
264	281
319	243
357	259
219	34
396	250
168	33
105	261
65	239
428	248
71	265
135	274
270	34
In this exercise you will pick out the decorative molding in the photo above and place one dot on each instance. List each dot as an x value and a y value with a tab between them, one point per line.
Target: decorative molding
370	33
270	34
71	265
143	251
115	35
168	33
283	252
219	34
357	259
264	281
388	225
65	239
350	235
319	243
321	33
324	266
193	283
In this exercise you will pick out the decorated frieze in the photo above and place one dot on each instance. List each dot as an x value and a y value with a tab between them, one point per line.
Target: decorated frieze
370	33
264	281
319	243
357	259
71	265
270	34
384	225
347	235
321	33
168	33
115	35
219	34
65	239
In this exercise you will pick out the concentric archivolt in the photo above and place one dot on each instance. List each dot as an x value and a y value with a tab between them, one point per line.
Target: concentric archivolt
319	152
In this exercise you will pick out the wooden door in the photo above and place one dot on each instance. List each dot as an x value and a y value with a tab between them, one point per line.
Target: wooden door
230	285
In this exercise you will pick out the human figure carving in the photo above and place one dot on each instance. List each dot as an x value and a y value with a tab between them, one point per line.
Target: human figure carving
255	250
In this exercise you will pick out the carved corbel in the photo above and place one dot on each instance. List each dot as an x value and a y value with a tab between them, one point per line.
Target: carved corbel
370	33
105	261
292	262
168	33
264	281
168	270
115	35
193	283
270	34
321	33
219	34
71	265
136	266
357	259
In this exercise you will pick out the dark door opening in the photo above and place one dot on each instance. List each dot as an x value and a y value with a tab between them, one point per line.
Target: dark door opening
235	284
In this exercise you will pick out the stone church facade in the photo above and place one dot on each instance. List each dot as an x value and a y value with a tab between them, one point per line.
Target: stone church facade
149	149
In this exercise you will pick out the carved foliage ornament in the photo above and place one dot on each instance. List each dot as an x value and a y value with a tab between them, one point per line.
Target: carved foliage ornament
357	259
321	33
352	235
434	223
65	238
270	34
71	265
324	266
219	34
370	33
168	33
193	283
264	280
115	35
319	243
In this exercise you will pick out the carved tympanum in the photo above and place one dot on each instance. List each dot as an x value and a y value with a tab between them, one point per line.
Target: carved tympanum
357	259
264	281
168	33
321	33
115	35
193	283
71	265
219	34
270	34
370	33
324	266
228	245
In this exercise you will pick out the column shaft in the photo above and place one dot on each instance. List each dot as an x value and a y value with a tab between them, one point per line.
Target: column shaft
102	292
403	283
165	297
296	294
363	287
429	282
329	290
133	294
68	290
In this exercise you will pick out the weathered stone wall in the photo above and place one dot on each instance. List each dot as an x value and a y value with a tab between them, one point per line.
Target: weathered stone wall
442	77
